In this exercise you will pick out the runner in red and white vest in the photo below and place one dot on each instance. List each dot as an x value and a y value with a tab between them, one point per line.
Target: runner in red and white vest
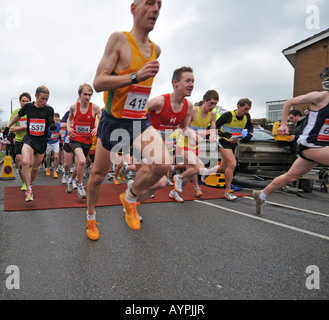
81	127
173	111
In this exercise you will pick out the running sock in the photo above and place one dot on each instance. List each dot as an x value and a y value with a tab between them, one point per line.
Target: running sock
89	217
262	195
70	180
129	199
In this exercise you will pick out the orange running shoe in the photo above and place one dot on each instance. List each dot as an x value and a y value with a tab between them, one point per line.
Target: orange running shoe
92	230
116	181
55	175
48	172
131	215
122	177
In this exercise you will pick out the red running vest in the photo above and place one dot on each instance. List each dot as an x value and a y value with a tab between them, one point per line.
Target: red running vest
167	118
83	124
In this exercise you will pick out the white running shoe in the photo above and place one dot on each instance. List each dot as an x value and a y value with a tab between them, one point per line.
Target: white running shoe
204	175
81	193
178	183
75	184
229	195
174	195
64	178
69	188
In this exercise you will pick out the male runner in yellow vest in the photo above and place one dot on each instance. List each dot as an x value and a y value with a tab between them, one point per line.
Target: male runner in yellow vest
125	73
230	126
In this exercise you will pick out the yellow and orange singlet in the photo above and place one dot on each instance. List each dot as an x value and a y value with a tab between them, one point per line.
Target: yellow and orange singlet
131	102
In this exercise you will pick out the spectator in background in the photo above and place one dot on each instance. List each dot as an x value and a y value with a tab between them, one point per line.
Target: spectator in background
257	126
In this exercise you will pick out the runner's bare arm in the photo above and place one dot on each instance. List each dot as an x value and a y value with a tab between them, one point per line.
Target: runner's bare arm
212	134
312	98
184	125
97	114
155	104
116	58
14	120
189	116
17	129
69	122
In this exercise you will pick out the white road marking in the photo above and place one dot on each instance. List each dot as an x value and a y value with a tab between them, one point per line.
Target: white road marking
265	220
293	208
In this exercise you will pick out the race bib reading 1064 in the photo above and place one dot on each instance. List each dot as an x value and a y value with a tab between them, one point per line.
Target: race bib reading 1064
37	127
136	102
83	129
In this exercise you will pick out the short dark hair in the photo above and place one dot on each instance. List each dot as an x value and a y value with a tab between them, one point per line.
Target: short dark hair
244	101
296	112
178	73
25	94
42	89
211	94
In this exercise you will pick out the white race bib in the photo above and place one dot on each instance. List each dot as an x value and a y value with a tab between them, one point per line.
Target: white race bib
235	137
37	127
82	129
23	122
136	102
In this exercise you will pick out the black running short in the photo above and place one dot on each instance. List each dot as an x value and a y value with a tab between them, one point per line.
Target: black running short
72	145
224	144
120	132
38	144
300	149
18	147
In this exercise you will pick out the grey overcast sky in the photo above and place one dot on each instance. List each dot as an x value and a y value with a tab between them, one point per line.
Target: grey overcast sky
234	46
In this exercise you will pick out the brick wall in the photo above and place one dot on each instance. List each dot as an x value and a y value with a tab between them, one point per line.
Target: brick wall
310	62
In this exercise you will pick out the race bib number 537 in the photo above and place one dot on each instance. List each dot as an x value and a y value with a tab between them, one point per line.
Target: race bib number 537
37	127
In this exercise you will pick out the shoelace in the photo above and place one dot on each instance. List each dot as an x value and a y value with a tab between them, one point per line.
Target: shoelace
92	225
133	212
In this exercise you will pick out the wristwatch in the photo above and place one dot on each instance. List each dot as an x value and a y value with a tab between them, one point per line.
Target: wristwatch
133	77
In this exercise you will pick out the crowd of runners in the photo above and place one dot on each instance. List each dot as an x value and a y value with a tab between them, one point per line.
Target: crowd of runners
136	133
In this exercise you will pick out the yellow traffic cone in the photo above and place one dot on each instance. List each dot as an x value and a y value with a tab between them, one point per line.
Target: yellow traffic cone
7	169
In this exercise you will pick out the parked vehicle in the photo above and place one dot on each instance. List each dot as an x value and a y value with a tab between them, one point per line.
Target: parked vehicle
262	153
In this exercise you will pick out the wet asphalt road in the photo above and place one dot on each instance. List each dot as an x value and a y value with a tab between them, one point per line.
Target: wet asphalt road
205	250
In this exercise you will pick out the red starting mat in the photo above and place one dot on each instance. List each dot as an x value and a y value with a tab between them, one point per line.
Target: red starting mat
55	197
